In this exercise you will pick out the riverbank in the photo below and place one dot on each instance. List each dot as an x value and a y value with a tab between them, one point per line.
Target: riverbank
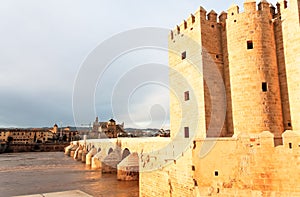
36	147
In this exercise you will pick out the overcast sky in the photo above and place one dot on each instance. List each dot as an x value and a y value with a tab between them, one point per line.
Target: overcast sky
44	43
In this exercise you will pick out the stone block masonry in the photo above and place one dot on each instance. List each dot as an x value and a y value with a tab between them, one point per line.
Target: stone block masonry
245	165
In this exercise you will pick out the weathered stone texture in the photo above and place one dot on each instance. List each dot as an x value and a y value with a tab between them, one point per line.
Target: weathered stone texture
173	178
249	163
249	66
291	42
128	168
186	75
282	74
213	71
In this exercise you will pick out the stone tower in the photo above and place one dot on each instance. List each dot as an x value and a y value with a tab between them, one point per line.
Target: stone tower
255	90
55	128
186	80
253	54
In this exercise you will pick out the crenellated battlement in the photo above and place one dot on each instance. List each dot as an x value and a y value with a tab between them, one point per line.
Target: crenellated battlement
212	16
223	16
250	6
233	10
185	25
201	14
284	5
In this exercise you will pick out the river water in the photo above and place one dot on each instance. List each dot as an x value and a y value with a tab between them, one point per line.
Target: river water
43	172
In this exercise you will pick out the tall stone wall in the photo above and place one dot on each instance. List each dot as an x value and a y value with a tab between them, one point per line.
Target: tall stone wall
213	71
186	80
222	26
255	91
291	42
201	74
282	72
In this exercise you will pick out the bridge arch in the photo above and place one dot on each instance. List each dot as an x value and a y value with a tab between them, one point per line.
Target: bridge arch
88	147
110	150
125	153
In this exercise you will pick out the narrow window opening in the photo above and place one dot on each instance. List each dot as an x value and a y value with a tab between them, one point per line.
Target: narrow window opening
193	18
172	35
195	182
259	6
194	142
285	4
186	132
191	28
264	86
186	95
178	29
249	44
290	145
183	55
217	56
193	168
216	173
289	124
212	26
185	24
232	13
234	21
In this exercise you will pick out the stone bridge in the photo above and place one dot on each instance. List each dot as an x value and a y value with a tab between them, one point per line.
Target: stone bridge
115	155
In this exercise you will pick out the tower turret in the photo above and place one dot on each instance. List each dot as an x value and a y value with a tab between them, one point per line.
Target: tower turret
55	128
255	91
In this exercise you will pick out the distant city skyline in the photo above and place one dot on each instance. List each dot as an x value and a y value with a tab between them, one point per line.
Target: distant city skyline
43	44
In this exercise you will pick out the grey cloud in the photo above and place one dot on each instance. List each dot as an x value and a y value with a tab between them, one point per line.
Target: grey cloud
43	44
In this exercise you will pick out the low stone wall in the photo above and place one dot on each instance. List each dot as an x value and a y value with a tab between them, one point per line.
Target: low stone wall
245	165
15	148
248	166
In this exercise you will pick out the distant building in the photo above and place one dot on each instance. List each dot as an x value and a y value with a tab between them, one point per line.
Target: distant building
108	129
4	135
38	135
65	133
26	136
